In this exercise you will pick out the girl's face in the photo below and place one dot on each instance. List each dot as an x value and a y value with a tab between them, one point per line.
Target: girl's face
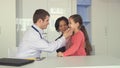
72	24
62	26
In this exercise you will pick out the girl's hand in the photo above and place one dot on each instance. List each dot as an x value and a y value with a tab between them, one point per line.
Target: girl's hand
60	54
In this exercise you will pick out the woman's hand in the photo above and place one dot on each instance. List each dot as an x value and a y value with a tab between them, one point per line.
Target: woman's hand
60	54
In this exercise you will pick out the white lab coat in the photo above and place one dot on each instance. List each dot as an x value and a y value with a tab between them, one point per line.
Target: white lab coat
32	44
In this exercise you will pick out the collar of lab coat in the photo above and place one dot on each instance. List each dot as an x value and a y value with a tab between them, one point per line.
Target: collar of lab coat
40	30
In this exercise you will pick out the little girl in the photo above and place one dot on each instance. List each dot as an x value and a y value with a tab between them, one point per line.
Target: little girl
77	43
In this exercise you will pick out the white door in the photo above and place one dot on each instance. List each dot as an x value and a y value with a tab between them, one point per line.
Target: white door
99	19
114	28
105	27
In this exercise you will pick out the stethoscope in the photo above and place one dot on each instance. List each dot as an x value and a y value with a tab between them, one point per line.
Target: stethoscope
37	31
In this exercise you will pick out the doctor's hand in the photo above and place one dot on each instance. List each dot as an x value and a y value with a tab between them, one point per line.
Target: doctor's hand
68	33
59	54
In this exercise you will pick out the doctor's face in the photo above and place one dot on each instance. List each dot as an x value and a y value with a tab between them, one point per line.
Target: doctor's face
45	22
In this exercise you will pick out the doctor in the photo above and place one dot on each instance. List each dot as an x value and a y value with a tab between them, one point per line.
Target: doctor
33	42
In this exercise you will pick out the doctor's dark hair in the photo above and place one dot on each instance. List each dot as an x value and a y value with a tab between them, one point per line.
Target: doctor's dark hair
57	23
78	19
40	14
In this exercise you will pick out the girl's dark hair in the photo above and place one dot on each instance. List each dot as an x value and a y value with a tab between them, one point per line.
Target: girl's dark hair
78	19
58	22
40	14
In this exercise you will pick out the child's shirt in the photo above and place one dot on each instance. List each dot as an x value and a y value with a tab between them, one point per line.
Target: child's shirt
77	46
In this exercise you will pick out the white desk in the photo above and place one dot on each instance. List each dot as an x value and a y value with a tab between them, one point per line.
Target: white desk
73	62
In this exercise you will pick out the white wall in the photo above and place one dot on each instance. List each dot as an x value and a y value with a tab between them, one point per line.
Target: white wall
105	27
7	26
26	8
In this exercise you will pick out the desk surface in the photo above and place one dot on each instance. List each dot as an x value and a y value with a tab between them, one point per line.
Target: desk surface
73	62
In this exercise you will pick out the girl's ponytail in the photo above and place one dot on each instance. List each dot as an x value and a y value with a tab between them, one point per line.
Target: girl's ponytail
88	47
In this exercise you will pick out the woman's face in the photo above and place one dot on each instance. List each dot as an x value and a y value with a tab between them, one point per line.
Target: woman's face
62	26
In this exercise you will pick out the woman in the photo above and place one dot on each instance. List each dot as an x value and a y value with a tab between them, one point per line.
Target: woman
61	25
